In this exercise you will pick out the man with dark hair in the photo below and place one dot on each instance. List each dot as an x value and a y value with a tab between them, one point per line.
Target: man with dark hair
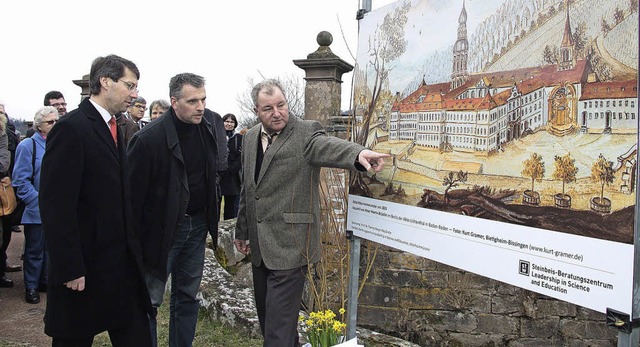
173	168
95	280
56	99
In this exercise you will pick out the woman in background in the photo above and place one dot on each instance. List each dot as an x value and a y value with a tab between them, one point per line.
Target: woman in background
230	179
26	179
157	108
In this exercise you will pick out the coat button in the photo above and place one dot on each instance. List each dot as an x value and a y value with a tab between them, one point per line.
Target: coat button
257	197
259	220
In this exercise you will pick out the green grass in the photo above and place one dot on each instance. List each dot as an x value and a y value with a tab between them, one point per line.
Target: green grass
208	332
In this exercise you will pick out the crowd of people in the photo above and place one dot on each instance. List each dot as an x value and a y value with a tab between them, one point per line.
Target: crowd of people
116	205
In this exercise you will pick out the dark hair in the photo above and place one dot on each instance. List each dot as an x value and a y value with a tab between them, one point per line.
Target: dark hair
111	66
54	94
232	117
179	80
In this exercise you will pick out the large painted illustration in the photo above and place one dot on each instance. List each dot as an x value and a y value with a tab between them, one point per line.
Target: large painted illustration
519	112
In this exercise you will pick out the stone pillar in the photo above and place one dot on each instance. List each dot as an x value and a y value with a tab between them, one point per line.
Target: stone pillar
324	81
84	86
323	90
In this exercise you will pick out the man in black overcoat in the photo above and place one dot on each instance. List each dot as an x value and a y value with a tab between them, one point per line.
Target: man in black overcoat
173	172
95	282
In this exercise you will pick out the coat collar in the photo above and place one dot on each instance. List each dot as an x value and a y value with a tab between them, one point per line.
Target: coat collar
282	137
167	120
99	126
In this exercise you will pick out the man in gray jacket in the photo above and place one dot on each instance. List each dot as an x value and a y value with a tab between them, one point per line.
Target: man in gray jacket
279	206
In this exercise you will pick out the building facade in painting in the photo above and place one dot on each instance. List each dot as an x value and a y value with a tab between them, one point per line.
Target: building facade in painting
479	112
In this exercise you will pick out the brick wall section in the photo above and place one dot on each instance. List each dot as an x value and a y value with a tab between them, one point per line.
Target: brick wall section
433	304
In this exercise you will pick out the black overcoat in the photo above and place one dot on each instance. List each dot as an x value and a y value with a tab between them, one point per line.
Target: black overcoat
159	187
86	217
230	179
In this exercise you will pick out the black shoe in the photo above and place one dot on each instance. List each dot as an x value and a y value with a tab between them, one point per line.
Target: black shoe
5	282
42	288
31	296
13	268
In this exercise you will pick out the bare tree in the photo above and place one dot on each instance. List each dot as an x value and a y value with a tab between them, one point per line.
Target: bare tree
293	91
385	45
452	180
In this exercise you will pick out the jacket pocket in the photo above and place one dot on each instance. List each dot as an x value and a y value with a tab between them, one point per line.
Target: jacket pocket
297	218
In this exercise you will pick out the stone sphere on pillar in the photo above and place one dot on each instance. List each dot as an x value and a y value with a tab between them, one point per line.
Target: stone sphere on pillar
324	38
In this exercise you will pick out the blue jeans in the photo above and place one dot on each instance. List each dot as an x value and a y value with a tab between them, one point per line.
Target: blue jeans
185	264
35	257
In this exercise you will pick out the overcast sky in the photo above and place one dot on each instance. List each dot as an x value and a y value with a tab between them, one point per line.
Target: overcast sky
47	44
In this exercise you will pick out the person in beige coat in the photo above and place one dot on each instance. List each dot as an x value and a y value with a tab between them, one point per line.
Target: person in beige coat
279	215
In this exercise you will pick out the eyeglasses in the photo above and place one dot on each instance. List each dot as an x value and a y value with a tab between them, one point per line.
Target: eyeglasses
142	107
131	86
56	105
50	122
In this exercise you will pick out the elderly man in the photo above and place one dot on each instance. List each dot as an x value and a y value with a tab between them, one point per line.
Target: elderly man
279	205
136	111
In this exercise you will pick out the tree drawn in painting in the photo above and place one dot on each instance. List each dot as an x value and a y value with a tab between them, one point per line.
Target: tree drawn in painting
385	45
452	180
533	168
565	171
602	173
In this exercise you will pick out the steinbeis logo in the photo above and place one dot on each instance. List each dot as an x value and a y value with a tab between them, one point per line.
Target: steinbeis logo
524	267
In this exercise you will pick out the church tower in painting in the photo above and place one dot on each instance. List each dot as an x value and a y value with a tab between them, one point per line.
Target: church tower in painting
567	55
459	73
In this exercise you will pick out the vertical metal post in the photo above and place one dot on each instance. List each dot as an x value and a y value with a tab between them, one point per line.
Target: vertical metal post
354	280
366	5
632	339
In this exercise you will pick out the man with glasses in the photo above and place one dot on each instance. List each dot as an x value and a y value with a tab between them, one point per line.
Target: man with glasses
95	280
56	99
136	111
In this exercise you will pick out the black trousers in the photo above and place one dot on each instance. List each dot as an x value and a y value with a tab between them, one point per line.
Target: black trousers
5	226
135	333
278	295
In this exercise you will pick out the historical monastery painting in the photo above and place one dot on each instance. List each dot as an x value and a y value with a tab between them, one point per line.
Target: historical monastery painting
512	110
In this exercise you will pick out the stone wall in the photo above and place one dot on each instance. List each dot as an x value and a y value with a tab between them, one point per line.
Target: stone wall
229	299
425	303
433	304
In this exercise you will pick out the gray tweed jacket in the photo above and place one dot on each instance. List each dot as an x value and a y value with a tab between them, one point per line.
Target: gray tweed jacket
280	214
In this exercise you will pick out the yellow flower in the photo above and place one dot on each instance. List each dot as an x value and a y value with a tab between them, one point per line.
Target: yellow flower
322	328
